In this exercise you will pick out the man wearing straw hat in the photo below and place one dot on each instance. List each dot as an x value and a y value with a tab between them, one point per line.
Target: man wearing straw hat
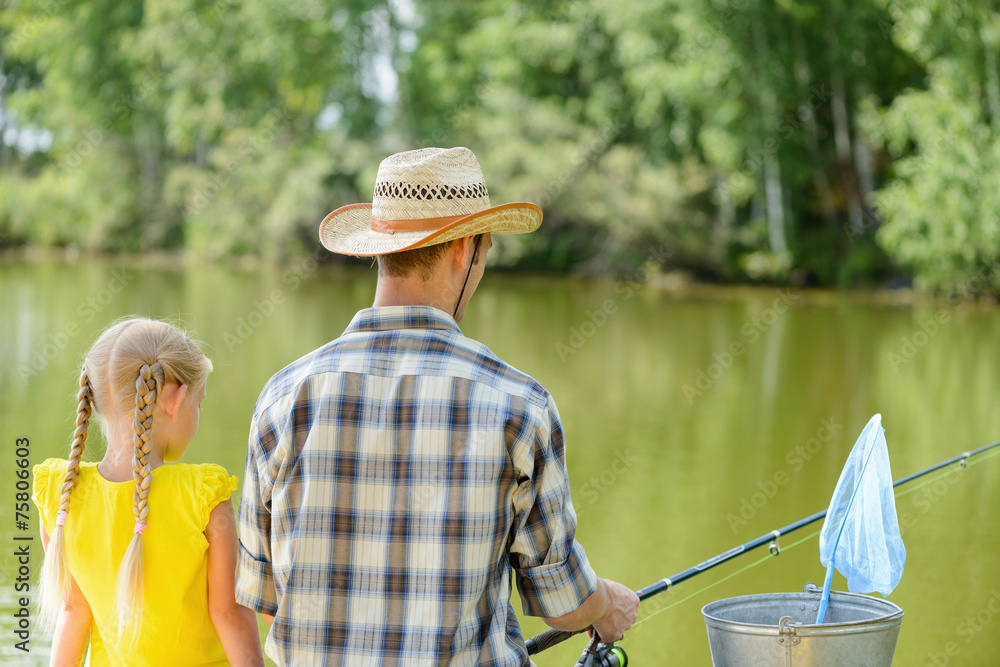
400	476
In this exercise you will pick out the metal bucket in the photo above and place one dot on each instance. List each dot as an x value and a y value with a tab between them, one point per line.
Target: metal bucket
779	629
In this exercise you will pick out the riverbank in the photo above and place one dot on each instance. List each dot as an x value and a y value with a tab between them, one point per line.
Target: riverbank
678	283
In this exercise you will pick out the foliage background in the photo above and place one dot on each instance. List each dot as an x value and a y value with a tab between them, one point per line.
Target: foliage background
811	142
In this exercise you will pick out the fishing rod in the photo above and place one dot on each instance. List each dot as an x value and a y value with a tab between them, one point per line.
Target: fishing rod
550	638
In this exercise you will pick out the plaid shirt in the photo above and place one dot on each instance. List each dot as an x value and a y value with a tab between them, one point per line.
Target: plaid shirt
395	478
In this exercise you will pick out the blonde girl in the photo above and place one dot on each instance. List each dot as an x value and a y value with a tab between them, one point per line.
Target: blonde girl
141	556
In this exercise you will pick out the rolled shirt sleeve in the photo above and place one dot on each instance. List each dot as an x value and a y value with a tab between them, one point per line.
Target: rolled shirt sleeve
255	586
553	574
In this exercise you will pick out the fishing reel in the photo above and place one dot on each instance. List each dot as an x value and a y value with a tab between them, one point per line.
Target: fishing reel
604	655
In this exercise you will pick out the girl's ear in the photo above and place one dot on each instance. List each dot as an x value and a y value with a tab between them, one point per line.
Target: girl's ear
171	397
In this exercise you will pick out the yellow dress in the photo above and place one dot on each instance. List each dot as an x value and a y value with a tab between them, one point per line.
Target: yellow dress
176	628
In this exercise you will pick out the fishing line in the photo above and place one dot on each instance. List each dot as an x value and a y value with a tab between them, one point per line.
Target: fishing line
900	494
950	471
982	457
727	577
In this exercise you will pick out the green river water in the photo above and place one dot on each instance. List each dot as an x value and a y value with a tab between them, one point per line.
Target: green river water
695	421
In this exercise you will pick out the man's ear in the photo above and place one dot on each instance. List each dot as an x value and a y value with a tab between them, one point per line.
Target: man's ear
171	397
462	252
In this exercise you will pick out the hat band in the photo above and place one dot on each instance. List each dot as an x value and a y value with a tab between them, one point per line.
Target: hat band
418	225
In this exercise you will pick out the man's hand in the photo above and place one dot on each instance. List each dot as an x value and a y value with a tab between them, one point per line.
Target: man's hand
611	610
623	605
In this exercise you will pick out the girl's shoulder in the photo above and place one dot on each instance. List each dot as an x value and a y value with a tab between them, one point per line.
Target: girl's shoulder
194	473
55	467
42	474
206	484
46	467
47	479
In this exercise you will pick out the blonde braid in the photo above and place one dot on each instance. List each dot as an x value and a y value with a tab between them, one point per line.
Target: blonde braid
129	591
147	388
54	581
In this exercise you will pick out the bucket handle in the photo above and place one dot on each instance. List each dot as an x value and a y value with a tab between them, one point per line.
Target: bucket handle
786	632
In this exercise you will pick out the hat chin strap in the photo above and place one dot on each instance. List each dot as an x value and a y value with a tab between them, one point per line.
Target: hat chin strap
475	251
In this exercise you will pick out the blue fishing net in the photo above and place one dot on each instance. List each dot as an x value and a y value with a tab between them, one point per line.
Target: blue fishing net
860	536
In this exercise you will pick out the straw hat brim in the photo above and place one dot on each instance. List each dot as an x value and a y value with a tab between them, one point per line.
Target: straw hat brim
347	231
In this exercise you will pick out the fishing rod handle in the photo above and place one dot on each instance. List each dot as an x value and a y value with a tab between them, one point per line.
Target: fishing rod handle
547	639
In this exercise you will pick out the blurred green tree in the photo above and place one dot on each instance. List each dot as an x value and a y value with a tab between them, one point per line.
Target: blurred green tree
941	206
732	139
191	125
723	130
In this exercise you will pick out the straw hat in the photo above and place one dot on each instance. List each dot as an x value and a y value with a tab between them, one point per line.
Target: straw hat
421	198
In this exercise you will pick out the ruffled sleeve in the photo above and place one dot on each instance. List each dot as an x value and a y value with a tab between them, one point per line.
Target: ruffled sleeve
41	474
217	485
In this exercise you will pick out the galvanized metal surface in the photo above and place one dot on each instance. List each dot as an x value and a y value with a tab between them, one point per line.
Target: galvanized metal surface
779	630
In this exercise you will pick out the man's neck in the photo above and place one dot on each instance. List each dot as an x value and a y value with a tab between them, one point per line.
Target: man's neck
412	291
442	288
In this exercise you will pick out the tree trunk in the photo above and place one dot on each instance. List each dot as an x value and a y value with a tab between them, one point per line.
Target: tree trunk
842	140
4	154
992	86
148	144
773	202
803	76
775	206
727	208
726	218
864	163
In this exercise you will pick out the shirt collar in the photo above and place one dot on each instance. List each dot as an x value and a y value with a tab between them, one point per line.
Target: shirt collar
387	318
